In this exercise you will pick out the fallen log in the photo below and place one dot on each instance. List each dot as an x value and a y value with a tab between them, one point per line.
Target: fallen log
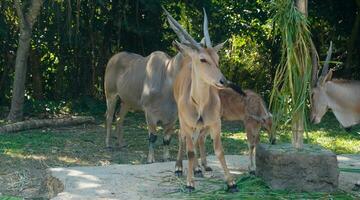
41	123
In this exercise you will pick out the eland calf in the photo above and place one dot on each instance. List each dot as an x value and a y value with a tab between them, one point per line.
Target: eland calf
251	110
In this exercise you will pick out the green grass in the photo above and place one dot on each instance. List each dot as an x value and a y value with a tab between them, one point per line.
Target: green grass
9	198
251	187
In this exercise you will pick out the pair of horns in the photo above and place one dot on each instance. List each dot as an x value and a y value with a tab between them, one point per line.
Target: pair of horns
325	69
184	36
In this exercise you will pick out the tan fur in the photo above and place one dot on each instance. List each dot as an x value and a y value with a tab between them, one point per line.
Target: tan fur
199	111
197	98
142	83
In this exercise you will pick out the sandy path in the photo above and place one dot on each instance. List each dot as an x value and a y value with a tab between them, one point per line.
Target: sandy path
156	181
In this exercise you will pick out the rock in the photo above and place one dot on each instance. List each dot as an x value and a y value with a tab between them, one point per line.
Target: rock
51	186
311	169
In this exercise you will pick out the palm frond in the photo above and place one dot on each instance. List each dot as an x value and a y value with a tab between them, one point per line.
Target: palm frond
292	79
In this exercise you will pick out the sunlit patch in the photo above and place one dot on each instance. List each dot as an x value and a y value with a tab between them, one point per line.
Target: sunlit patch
36	157
68	159
237	136
135	162
342	158
86	185
22	156
236	172
81	174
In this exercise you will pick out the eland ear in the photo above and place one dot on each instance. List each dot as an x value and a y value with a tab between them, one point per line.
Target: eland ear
218	47
327	77
202	42
186	49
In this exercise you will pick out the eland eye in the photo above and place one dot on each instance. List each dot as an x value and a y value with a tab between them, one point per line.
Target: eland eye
203	60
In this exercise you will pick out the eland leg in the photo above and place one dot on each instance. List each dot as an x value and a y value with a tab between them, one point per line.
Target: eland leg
168	131
219	152
110	104
124	109
197	167
190	185
252	129
152	137
202	150
179	158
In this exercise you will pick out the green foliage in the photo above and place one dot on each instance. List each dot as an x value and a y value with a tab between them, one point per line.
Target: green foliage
292	79
73	42
80	106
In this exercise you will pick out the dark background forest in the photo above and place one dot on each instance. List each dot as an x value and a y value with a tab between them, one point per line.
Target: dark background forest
72	40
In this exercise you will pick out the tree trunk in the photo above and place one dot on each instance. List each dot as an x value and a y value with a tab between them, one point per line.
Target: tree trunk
22	53
298	131
40	123
18	93
298	120
302	5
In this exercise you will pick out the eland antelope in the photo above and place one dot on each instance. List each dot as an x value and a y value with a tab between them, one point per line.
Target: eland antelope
251	110
341	96
143	83
196	92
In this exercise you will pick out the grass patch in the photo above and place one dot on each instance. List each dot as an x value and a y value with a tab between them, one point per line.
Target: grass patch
9	198
251	187
330	135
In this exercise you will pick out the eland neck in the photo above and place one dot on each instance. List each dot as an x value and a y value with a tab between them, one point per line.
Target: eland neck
200	90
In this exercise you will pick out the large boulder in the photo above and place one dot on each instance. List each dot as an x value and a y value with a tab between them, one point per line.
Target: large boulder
311	169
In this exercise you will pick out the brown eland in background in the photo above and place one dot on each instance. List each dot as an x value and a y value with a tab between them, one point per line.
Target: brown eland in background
196	92
143	83
341	96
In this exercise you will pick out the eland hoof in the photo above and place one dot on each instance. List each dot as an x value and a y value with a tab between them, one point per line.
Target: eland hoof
150	160
178	173
198	173
189	189
348	129
232	189
122	145
356	186
165	160
208	169
109	148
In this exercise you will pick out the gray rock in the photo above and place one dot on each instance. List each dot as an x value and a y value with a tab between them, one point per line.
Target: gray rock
311	169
